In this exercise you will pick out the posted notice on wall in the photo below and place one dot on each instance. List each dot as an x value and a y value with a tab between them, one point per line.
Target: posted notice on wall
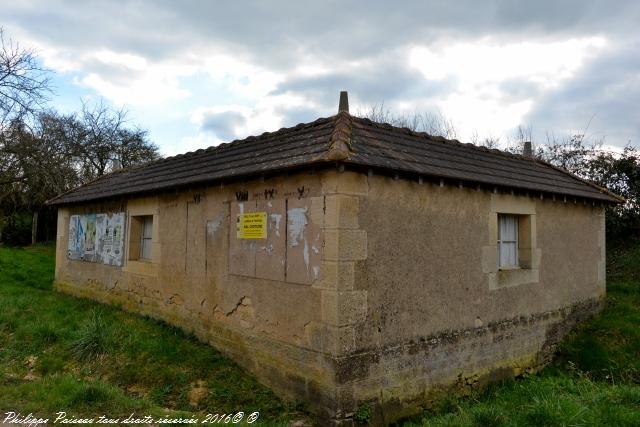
252	225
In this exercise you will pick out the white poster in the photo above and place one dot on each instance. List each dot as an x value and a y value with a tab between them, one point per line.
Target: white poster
110	238
96	238
118	238
89	237
76	234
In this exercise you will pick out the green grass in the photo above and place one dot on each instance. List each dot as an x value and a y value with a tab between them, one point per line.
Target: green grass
63	353
594	381
60	353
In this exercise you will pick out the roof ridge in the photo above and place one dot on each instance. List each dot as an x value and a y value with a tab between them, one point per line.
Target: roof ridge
438	138
264	135
340	141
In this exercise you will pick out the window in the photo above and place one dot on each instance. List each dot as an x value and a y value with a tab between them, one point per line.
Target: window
511	257
146	229
508	241
143	246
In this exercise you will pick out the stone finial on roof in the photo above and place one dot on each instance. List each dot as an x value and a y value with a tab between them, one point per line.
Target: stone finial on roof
344	101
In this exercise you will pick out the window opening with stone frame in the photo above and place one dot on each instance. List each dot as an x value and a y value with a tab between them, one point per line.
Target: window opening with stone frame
508	241
146	233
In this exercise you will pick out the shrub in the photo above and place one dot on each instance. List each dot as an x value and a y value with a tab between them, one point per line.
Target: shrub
363	414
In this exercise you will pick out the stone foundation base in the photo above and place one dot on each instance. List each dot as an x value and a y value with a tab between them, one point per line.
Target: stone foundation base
294	373
397	381
404	379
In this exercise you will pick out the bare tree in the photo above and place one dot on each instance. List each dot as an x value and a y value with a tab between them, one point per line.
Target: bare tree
492	142
55	153
35	165
433	123
104	141
24	88
43	153
24	84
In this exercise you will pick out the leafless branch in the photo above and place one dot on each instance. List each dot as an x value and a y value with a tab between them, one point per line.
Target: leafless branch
24	84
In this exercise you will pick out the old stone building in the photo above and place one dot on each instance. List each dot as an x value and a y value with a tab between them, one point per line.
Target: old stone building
347	262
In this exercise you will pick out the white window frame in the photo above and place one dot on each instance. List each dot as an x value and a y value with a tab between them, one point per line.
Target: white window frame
146	236
502	218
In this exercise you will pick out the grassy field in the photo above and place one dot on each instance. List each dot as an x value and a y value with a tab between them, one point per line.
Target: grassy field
59	353
62	353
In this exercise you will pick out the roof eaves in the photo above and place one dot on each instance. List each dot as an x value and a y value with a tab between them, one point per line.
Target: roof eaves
53	200
318	161
618	199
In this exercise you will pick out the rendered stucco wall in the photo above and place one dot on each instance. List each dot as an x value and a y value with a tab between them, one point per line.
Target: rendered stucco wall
268	304
435	314
393	293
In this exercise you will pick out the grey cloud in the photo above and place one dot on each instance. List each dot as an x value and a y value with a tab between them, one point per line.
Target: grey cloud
514	90
386	78
603	96
294	116
117	73
222	124
276	33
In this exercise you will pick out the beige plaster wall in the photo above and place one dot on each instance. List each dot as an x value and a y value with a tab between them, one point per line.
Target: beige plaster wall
407	296
431	239
435	309
205	280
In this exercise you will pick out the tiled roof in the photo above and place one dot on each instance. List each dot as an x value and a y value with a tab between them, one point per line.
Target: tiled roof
382	145
343	139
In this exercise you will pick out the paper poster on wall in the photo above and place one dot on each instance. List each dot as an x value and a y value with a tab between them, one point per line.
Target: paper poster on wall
118	237
90	236
96	238
82	230
252	225
293	243
101	222
109	231
76	234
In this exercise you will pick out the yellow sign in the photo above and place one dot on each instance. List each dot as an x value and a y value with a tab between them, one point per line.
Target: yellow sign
252	225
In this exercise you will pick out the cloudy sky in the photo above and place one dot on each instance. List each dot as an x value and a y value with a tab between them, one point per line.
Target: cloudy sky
197	73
